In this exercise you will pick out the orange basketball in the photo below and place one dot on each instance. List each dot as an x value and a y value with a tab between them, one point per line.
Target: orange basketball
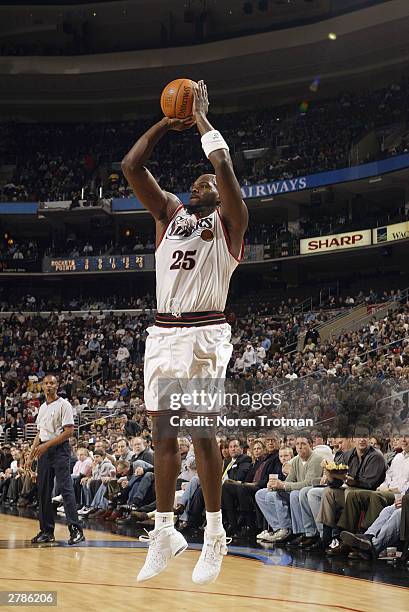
177	98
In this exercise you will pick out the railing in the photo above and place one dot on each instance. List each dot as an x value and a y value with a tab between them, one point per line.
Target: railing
75	313
380	310
316	374
306	304
393	396
382	347
5	436
327	292
30	431
89	423
332	321
377	311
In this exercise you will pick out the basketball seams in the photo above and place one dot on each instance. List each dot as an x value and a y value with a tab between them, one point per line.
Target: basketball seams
162	101
175	105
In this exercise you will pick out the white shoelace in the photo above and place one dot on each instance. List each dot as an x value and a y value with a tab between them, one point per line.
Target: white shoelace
216	548
151	536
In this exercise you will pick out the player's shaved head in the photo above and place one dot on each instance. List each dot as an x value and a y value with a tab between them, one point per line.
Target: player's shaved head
50	377
208	177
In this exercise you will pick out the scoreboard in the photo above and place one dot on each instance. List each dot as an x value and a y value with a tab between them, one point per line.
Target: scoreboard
100	263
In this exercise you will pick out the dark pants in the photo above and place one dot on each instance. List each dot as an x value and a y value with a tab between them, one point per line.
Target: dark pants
404	526
197	506
238	498
55	462
14	489
94	486
148	507
77	489
4	487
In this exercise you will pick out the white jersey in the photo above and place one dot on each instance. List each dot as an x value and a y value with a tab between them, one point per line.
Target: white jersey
52	418
193	264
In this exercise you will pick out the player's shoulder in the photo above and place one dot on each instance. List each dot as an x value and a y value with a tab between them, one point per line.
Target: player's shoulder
65	403
173	205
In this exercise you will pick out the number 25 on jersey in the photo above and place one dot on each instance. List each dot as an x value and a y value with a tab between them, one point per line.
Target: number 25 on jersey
183	260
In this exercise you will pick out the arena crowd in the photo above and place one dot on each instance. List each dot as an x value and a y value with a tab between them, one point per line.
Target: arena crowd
55	161
280	485
337	495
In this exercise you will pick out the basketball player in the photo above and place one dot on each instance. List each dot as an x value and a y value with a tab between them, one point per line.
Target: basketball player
198	246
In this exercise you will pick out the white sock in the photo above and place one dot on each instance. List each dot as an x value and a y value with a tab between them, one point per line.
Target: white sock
164	519
214	523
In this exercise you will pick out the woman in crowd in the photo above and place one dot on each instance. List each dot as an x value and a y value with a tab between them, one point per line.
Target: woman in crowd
238	497
224	451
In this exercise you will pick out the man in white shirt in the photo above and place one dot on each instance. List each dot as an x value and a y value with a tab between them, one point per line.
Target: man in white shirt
249	357
238	365
122	355
260	354
51	448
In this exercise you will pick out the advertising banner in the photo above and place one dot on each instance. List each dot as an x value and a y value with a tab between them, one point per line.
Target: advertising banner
335	242
389	233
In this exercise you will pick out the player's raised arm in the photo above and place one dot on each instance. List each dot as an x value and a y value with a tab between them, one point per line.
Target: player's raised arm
233	210
160	203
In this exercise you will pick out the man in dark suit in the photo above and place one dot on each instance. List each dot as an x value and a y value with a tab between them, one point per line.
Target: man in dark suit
238	503
239	464
274	466
129	428
235	470
140	451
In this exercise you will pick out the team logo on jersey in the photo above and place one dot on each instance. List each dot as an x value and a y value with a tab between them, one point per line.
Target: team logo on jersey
207	235
186	227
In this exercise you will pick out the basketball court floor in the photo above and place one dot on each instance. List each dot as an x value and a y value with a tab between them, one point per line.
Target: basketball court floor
100	574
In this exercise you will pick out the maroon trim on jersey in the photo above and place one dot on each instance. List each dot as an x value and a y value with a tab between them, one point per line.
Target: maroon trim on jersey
169	222
203	414
227	237
190	319
160	412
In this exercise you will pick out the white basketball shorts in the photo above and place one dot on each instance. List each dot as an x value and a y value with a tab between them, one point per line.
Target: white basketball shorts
189	362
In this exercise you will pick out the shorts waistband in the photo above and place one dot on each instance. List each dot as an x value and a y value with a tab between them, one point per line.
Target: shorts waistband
190	319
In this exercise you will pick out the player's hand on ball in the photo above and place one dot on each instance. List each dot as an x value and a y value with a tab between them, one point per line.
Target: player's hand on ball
181	124
200	99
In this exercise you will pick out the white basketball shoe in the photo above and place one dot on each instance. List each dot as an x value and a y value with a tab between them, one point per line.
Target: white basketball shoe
209	564
164	543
